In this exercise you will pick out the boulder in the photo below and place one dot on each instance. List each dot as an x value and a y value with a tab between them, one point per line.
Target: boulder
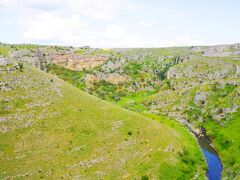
3	61
200	98
238	71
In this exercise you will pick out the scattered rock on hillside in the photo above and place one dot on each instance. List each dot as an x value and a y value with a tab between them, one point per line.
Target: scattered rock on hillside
200	98
3	61
238	71
4	86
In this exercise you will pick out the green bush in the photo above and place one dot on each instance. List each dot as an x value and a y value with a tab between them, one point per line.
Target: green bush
185	157
129	133
144	177
133	69
73	77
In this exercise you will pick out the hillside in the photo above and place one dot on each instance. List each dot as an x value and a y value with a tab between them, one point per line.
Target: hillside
197	86
51	130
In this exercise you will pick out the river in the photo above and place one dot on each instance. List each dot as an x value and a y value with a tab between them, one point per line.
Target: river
212	158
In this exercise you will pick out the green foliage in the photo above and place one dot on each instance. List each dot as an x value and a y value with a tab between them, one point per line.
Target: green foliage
134	102
106	90
222	140
133	69
80	51
144	177
226	90
165	66
185	157
129	133
4	51
100	52
92	52
3	108
103	89
25	46
73	77
19	66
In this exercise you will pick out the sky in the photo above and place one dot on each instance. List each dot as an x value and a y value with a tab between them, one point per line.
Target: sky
120	23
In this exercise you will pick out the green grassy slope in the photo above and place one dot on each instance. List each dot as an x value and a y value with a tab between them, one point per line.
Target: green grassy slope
50	129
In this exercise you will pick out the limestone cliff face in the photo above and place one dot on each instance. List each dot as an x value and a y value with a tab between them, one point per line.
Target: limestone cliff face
114	78
67	57
78	62
218	50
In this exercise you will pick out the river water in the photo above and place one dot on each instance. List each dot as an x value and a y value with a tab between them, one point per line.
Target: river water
212	158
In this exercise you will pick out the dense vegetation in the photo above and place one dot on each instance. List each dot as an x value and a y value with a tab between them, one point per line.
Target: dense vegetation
73	77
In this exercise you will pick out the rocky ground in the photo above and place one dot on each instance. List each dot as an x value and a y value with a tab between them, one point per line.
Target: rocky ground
24	98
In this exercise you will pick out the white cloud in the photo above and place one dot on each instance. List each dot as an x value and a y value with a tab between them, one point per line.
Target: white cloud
184	40
115	31
114	36
187	40
144	24
173	28
102	23
64	21
23	4
99	9
47	26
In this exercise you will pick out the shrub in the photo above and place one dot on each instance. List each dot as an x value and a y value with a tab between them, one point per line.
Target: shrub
133	69
129	133
19	66
185	157
144	177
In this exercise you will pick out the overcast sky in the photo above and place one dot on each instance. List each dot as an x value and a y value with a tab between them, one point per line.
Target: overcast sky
120	23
